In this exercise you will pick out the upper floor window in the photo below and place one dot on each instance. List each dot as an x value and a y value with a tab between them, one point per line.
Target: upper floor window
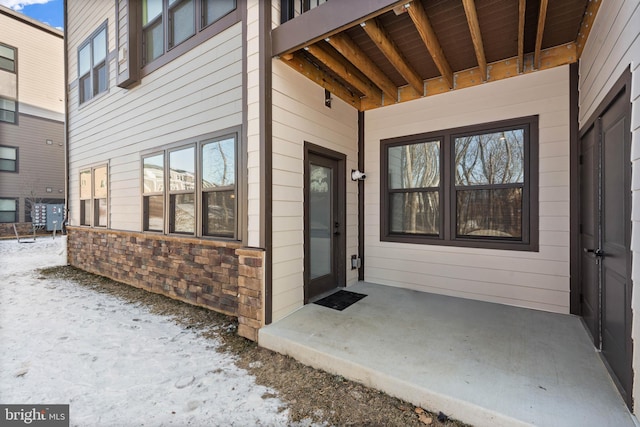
94	186
8	159
473	186
8	110
92	65
7	58
168	23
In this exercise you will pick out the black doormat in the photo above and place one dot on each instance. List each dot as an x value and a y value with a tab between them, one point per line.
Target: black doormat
340	300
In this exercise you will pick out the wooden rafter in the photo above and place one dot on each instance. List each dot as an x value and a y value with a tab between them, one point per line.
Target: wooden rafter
587	23
428	35
347	48
380	37
304	67
522	7
499	70
344	69
476	35
540	33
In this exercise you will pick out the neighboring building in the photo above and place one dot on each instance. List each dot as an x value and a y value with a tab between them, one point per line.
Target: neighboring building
32	152
211	150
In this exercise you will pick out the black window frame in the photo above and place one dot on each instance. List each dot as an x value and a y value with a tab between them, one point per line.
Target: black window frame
447	236
199	192
90	204
15	212
14	111
15	161
14	61
94	72
171	50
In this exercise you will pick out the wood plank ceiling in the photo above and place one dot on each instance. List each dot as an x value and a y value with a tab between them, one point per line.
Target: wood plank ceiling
426	47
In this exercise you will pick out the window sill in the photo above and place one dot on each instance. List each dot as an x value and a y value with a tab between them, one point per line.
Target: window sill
463	243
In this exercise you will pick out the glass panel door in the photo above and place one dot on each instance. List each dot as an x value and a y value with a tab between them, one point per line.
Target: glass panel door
320	220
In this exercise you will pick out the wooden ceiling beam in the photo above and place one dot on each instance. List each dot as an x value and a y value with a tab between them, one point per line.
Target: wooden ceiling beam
587	23
428	35
499	70
542	16
380	37
344	69
476	35
522	7
304	67
347	48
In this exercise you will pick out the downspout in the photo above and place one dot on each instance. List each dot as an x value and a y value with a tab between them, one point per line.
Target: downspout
66	117
361	194
266	158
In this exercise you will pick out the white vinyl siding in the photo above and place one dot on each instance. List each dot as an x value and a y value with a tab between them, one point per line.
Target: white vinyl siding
612	48
198	93
253	124
299	115
528	279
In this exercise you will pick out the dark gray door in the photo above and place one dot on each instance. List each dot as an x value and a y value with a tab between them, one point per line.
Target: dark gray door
589	230
324	224
605	173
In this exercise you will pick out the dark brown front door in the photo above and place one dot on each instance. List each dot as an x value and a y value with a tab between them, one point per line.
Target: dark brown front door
324	223
605	239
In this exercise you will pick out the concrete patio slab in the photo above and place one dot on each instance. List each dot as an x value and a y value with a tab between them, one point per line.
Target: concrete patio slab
481	363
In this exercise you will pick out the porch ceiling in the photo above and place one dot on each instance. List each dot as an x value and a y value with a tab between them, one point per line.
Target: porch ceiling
415	48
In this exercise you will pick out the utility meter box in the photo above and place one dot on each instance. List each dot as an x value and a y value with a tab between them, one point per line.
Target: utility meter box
55	217
39	215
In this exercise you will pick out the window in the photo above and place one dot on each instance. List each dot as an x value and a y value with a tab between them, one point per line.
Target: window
8	110
218	187
8	210
182	187
94	196
8	159
168	23
182	181
474	186
7	58
153	192
92	65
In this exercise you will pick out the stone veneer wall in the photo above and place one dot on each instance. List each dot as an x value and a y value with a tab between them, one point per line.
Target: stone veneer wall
222	276
24	229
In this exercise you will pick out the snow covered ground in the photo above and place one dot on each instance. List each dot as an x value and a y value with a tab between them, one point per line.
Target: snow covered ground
114	363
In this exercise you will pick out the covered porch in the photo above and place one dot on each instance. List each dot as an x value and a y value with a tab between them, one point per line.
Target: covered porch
478	362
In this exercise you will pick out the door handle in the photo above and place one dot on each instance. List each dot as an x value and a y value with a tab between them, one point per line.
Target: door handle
336	227
596	252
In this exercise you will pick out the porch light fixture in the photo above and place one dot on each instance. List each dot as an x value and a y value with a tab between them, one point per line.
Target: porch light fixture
357	175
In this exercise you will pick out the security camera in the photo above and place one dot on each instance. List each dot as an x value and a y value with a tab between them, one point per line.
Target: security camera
357	175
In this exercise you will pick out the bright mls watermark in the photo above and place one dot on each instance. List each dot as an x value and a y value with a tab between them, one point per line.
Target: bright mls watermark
34	415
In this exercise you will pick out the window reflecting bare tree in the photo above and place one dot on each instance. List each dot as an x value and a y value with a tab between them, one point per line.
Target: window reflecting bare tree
489	177
414	179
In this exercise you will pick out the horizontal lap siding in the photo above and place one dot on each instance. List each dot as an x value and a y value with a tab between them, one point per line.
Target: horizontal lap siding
299	115
198	93
612	48
537	280
39	52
